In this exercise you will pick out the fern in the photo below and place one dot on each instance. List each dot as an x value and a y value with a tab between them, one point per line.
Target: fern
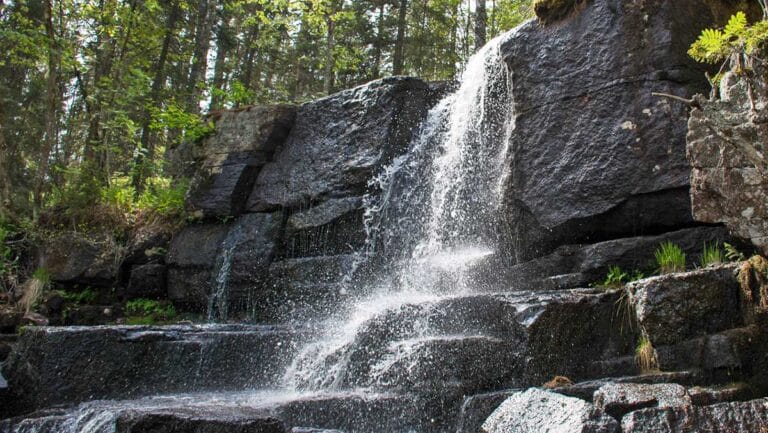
738	37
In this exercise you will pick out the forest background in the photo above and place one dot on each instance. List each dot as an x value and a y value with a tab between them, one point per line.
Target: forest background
95	93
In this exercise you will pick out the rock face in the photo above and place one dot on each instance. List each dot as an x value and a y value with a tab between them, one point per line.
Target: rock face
52	366
677	307
595	155
736	417
228	162
338	143
727	148
619	399
71	258
539	411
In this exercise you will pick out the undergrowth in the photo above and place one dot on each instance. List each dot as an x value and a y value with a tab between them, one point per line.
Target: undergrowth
149	312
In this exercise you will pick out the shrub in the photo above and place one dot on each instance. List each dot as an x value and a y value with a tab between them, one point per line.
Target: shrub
737	38
85	296
711	255
670	258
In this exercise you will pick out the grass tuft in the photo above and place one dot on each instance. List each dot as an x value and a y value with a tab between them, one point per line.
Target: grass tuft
712	255
645	355
670	258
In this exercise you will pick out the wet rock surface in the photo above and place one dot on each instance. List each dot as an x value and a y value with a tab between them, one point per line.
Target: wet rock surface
72	258
51	366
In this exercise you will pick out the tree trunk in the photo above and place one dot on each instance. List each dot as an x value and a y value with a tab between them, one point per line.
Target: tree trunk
398	61
147	142
378	45
481	21
328	82
223	46
51	100
200	55
5	172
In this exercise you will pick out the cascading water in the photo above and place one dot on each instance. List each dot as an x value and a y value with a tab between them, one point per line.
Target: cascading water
218	300
436	215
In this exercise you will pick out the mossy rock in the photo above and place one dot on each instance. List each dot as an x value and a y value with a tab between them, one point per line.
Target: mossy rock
553	10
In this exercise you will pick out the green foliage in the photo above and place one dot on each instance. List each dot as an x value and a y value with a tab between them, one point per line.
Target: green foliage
616	277
733	254
173	117
148	311
738	37
711	255
670	258
85	296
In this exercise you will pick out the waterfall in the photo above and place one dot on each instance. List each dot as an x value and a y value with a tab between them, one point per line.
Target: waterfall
437	214
218	300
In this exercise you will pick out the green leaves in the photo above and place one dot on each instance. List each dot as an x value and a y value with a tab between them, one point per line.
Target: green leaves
715	45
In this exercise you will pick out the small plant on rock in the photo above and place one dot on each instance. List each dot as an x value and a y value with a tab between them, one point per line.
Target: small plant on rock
148	312
733	254
615	278
711	255
645	355
33	289
670	258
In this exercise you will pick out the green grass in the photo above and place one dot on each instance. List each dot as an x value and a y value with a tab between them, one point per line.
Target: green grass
711	255
149	312
670	258
85	296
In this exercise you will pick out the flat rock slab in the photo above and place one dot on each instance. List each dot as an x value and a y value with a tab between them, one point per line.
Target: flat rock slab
52	366
540	411
617	399
738	417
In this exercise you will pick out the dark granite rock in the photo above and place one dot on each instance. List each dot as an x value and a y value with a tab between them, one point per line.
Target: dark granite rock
333	227
72	258
677	307
51	366
197	421
708	395
228	162
595	155
340	142
737	417
477	408
572	266
539	411
147	281
191	259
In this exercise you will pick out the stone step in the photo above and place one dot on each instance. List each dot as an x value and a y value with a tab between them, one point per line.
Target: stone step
54	366
250	412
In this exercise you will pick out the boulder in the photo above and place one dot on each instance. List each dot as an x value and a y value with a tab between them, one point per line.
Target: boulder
709	395
228	162
10	319
148	243
195	420
57	366
727	148
737	417
147	281
73	258
677	307
537	410
617	399
340	142
595	156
